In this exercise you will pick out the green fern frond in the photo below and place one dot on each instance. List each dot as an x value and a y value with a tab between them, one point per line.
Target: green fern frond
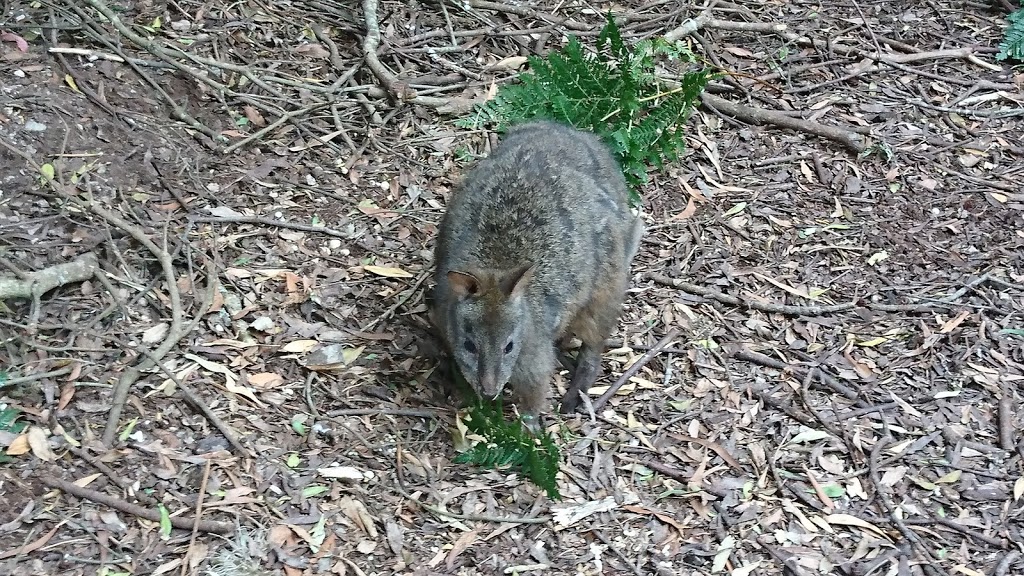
613	92
1012	45
510	445
507	444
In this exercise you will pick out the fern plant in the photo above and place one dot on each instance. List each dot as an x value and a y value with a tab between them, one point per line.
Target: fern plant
509	444
613	92
1012	45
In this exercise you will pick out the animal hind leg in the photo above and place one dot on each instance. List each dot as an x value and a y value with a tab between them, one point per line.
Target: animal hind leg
588	367
593	325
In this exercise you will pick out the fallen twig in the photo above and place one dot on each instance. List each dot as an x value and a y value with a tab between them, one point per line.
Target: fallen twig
192	551
394	87
994	114
1006	415
527	12
768	361
851	140
153	515
634	368
408	412
1003	568
42	281
967	52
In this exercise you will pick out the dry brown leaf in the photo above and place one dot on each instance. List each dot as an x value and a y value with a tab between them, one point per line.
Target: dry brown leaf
265	380
388	272
848	520
952	323
460	546
37	440
357	512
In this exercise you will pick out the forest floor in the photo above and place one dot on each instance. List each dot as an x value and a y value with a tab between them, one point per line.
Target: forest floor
245	205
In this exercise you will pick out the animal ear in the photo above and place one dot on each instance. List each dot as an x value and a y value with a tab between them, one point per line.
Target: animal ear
463	283
516	281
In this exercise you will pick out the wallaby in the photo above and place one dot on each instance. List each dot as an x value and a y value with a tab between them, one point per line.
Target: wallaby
535	246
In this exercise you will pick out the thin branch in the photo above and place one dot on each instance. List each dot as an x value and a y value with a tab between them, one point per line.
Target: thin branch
634	368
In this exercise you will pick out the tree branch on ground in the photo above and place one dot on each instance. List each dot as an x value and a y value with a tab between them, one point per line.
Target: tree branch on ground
42	281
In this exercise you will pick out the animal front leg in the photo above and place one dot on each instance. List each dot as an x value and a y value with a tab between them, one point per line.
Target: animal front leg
530	383
531	399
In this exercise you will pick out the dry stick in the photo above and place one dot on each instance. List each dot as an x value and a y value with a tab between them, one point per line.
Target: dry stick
196	401
851	140
33	377
792	310
178	111
615	550
165	54
200	76
129	376
198	518
401	301
828	380
526	12
1013	188
991	114
286	117
789	72
722	452
370	44
42	281
1003	568
288	225
134	509
29	547
106	56
272	222
174	334
394	86
751	304
791	562
979	84
410	412
705	20
113	476
634	368
966	52
873	473
971	531
1006	414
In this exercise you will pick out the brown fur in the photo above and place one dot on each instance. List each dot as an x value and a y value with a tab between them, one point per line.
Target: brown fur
535	246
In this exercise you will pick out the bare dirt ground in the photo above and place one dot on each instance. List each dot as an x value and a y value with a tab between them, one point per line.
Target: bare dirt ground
843	394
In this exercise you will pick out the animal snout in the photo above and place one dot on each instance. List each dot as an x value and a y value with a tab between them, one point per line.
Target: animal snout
489	387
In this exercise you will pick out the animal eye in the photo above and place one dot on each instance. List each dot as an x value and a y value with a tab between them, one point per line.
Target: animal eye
508	348
469	346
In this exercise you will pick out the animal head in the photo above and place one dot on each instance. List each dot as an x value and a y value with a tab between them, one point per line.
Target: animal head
487	321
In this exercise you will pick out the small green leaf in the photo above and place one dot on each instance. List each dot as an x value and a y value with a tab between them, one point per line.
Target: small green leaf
293	460
317	534
833	490
48	173
735	209
165	522
299	424
314	490
128	429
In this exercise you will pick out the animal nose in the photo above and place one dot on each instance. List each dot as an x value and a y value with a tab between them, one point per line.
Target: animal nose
489	385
